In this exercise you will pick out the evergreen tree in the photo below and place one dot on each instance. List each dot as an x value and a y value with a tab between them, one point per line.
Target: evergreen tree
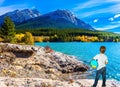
8	30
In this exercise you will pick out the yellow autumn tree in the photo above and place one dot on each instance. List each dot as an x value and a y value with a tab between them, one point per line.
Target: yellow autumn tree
84	38
1	39
19	37
28	38
38	38
78	38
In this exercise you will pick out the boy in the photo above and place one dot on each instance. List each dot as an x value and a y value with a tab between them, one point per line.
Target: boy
101	69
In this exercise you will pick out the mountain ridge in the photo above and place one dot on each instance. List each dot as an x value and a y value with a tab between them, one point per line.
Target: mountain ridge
31	19
19	16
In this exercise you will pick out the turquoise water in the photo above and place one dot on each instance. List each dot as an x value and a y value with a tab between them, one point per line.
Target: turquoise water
86	51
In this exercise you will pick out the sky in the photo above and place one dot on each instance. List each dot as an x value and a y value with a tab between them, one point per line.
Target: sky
100	14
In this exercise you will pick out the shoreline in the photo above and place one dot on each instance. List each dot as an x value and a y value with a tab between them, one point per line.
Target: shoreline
40	67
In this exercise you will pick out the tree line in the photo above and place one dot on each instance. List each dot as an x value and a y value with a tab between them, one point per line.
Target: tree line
9	33
68	35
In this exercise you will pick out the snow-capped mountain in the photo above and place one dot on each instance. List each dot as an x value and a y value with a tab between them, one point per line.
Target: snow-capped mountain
56	19
32	19
19	16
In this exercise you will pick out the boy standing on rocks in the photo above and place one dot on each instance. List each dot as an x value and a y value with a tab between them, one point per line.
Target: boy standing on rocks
101	69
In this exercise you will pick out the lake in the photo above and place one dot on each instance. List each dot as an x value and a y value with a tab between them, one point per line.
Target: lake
86	51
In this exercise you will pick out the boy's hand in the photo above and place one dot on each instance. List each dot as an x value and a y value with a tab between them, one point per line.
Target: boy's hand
106	62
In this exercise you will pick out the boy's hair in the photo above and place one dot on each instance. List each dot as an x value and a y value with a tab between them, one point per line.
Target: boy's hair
102	49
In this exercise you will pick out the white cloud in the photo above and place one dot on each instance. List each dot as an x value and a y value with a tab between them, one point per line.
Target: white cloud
112	25
84	5
95	20
93	3
108	27
93	10
6	9
112	9
111	19
117	15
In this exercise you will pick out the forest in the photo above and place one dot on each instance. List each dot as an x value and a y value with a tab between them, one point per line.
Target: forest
68	35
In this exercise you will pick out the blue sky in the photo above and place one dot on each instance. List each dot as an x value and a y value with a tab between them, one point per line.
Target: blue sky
101	14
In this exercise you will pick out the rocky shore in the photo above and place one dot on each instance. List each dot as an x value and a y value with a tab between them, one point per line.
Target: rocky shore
30	61
31	66
38	82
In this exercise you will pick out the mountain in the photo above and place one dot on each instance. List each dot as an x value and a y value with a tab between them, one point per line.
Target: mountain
31	19
56	19
19	16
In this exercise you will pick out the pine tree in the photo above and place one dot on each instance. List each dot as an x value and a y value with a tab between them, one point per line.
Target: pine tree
8	30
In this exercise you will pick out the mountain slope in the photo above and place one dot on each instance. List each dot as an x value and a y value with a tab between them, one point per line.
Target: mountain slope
19	16
46	22
31	19
56	19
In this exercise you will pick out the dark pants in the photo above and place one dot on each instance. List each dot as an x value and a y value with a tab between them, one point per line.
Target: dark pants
100	72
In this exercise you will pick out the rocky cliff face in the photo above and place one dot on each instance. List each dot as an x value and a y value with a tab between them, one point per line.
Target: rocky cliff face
30	61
